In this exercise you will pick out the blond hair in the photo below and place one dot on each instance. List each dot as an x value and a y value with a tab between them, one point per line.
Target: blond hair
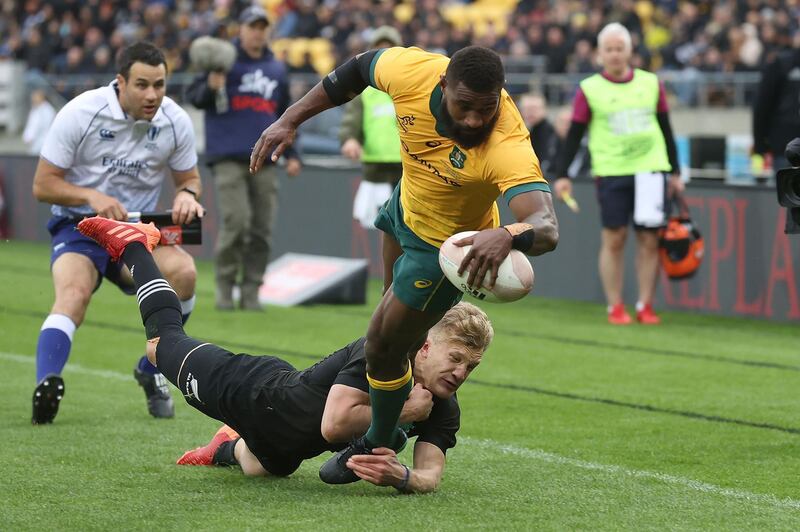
467	325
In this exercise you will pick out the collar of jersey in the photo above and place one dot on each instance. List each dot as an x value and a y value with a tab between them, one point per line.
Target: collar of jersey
113	102
436	110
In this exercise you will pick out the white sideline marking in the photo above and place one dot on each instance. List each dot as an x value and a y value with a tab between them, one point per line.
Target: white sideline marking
70	367
695	485
535	454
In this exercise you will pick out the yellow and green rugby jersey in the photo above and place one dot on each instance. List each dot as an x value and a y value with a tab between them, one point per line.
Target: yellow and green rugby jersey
447	189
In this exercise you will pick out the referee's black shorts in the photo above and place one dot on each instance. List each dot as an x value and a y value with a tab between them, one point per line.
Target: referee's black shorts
617	198
230	388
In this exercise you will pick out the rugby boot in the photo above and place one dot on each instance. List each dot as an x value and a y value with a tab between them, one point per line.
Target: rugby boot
46	398
113	236
156	389
205	455
335	470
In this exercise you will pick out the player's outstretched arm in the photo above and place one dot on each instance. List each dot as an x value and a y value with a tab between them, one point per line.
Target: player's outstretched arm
348	414
382	468
337	88
281	134
50	186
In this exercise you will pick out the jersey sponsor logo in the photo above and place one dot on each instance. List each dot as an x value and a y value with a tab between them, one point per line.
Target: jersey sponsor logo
405	122
257	82
630	121
107	134
458	158
433	143
127	167
423	283
429	166
241	102
452	173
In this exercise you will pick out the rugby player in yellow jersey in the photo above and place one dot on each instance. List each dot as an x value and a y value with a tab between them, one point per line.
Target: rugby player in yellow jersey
463	145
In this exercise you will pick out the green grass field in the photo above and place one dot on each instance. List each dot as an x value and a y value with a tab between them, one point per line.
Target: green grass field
568	423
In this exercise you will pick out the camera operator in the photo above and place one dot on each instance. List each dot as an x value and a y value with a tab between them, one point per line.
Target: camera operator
776	110
257	89
788	186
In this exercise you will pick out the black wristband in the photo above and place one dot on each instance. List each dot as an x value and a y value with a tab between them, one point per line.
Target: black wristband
190	191
522	236
404	483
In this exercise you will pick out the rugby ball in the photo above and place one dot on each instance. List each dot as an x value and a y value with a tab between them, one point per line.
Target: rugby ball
514	279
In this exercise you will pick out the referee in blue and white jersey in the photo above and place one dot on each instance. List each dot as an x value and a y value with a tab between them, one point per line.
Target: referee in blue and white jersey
108	152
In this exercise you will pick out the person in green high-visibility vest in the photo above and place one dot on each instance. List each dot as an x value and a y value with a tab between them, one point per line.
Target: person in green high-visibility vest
369	134
633	151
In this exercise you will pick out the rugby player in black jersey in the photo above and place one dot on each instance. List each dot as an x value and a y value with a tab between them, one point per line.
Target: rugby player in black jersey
277	416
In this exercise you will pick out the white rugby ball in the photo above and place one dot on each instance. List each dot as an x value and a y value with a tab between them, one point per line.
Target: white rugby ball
514	279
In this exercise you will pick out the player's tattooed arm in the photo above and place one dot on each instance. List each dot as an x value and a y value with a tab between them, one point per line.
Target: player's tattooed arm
535	208
535	233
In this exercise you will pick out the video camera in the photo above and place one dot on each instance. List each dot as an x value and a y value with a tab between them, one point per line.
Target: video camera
787	183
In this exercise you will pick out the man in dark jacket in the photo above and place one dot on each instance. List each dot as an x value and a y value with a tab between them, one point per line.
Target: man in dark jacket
776	112
257	94
544	139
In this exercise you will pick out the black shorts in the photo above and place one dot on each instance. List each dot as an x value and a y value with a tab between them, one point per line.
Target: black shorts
233	389
617	198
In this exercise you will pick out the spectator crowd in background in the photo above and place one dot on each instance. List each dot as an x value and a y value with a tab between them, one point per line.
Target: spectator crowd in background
65	37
